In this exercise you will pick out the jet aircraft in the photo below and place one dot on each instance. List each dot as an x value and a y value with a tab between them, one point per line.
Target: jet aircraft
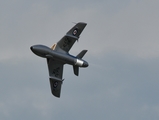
58	55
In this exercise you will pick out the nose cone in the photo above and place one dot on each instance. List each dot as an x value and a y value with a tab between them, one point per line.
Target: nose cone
34	49
85	64
31	48
40	50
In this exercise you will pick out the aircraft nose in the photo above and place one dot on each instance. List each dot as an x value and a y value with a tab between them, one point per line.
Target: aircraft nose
85	64
34	48
31	48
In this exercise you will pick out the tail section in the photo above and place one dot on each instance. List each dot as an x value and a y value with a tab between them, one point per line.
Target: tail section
80	56
76	70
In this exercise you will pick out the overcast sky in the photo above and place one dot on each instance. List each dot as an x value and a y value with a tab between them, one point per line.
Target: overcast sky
122	80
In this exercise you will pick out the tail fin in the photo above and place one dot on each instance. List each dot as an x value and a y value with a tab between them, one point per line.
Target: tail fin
80	55
76	70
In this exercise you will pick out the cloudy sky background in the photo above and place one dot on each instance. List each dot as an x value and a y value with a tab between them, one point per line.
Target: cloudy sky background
122	81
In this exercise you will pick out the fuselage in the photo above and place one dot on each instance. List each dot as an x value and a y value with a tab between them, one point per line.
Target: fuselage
46	52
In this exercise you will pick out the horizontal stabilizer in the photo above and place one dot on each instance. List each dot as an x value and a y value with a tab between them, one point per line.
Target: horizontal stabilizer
81	54
55	86
76	70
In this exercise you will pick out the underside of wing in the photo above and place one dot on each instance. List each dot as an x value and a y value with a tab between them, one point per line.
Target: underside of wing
65	44
55	72
55	87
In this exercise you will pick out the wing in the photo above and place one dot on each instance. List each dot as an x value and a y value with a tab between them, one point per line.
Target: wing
55	72
65	44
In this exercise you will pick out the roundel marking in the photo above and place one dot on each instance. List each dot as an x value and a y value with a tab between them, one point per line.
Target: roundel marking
75	31
55	84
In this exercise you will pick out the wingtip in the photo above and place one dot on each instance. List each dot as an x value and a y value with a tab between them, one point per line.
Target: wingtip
79	23
82	23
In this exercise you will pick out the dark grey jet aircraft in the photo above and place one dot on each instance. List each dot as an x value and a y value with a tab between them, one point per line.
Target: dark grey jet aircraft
58	55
